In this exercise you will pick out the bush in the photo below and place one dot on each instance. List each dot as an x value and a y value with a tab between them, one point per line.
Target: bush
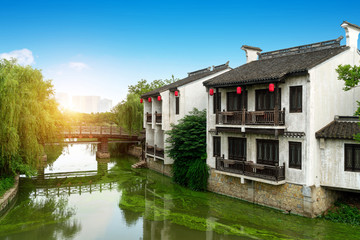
5	184
188	149
344	213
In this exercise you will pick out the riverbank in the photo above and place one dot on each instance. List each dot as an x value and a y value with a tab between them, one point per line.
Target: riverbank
9	195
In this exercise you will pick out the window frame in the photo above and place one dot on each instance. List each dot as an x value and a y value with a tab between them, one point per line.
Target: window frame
216	140
234	97
267	95
177	105
275	146
241	154
353	148
218	100
295	90
298	149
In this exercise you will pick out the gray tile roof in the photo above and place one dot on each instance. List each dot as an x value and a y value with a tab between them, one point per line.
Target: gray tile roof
192	76
276	68
340	128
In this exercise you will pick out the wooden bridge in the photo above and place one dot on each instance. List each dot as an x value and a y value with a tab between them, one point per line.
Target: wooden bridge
102	133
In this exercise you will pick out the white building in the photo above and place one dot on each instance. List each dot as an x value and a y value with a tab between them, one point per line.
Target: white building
105	105
262	123
167	105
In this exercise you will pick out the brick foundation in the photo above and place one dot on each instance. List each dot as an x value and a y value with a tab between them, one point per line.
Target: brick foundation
135	151
294	198
159	166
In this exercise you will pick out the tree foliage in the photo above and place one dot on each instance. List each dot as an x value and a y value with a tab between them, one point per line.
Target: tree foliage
129	113
187	147
351	77
29	117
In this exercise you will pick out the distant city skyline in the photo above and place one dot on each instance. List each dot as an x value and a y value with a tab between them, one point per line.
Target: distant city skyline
100	48
83	104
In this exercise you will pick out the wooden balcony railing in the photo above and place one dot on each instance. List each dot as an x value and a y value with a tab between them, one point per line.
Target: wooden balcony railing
272	173
148	117
158	117
154	151
252	117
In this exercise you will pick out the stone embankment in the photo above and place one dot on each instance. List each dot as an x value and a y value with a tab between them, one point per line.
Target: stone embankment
10	194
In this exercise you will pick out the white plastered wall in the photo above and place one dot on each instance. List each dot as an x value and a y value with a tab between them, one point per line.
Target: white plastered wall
327	99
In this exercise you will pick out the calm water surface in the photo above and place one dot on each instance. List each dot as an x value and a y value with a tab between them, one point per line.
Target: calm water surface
106	199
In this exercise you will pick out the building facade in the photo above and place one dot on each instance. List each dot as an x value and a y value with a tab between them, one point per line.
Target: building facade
262	122
167	105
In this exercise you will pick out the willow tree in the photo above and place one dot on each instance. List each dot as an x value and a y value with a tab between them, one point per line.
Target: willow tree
129	113
29	117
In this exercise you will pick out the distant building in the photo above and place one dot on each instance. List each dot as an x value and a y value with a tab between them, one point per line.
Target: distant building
86	104
105	105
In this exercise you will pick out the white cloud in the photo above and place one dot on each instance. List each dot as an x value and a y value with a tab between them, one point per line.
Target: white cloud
23	56
79	66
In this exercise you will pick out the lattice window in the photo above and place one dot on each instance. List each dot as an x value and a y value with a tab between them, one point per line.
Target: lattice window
296	99
352	157
295	155
217	146
268	152
237	148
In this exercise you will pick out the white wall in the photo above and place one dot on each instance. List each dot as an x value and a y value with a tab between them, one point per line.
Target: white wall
333	172
327	99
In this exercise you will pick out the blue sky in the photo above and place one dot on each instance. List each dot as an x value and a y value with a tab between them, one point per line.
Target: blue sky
101	47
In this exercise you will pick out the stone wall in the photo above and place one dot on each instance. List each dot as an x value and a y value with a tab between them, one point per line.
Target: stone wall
293	198
135	150
10	194
159	166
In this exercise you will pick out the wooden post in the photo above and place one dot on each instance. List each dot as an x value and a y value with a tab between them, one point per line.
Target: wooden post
217	106
110	129
276	108
80	129
100	130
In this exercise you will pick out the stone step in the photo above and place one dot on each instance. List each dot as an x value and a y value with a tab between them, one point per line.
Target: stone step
141	164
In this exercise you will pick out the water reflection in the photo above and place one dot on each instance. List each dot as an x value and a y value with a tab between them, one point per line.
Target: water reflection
109	200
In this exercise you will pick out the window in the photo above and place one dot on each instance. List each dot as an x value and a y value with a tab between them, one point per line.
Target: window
217	146
265	100
295	155
296	99
177	105
268	152
237	148
217	100
234	101
352	157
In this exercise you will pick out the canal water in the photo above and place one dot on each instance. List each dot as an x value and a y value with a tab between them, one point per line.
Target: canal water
77	196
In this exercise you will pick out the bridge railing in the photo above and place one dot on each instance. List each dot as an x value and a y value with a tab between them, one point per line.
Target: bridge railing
95	130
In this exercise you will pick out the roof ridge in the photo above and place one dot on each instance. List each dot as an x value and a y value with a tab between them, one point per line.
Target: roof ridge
302	49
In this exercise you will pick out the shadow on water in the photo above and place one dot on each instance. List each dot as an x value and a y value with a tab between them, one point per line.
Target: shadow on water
126	203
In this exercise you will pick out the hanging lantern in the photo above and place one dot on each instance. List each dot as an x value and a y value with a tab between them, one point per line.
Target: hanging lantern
176	93
149	99
271	87
211	91
141	100
159	98
238	90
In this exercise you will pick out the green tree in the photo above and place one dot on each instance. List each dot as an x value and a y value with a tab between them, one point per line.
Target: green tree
129	113
29	117
351	76
187	147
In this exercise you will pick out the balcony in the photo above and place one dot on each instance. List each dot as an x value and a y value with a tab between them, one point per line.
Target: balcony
271	117
250	169
155	152
148	117
158	117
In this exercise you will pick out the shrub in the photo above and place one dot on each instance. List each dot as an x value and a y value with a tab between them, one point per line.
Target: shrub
187	147
6	183
344	213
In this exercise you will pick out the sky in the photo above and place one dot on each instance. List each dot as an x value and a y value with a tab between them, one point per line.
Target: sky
100	47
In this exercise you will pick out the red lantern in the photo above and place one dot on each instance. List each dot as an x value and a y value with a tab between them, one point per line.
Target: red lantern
238	90
149	99
159	98
211	91
176	93
141	100
271	87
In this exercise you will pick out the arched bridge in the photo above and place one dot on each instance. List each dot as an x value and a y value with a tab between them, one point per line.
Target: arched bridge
102	133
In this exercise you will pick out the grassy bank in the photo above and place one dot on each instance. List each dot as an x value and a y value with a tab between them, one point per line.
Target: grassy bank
6	183
343	212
